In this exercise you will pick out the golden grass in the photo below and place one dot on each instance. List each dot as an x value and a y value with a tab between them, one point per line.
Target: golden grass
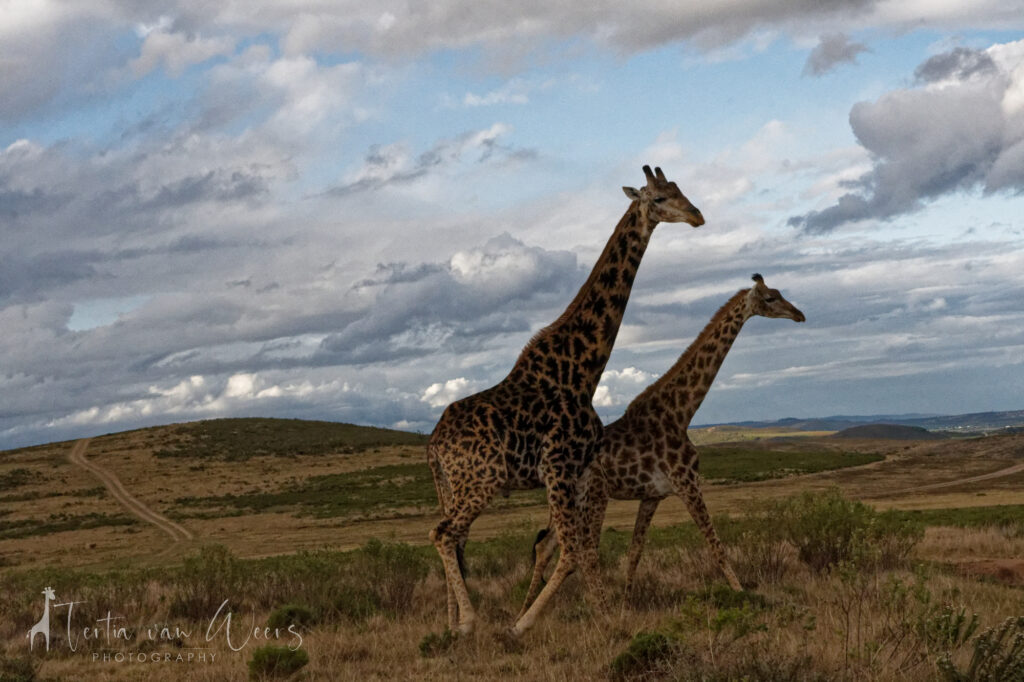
813	626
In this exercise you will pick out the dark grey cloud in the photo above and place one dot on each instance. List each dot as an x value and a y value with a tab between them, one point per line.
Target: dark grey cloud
832	50
928	142
15	203
960	63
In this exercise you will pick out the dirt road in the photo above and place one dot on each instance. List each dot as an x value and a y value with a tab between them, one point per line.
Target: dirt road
1008	471
134	506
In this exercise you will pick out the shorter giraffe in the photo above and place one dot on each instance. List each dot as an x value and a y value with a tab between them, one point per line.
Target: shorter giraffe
646	455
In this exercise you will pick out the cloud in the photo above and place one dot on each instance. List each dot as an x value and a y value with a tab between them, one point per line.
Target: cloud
960	64
618	387
480	293
177	51
442	393
392	165
962	130
832	49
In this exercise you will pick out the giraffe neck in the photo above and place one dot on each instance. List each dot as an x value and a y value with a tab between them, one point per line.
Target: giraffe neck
681	390
574	349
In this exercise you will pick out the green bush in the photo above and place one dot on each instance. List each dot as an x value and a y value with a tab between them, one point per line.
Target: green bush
290	614
433	644
827	529
205	581
947	629
998	656
276	661
392	571
647	653
355	604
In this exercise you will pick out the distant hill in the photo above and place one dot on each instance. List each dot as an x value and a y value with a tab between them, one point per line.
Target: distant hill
889	431
239	439
976	422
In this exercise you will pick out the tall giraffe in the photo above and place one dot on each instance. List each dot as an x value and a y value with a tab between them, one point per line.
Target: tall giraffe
646	454
538	426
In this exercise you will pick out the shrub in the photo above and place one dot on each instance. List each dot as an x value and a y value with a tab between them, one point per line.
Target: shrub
724	597
947	629
827	529
355	603
392	571
647	653
276	661
433	644
998	656
205	581
290	614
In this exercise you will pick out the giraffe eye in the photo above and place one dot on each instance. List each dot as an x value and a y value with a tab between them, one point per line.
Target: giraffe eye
769	299
660	199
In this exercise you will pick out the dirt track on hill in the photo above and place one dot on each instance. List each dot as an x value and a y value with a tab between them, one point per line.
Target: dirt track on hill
133	505
1008	471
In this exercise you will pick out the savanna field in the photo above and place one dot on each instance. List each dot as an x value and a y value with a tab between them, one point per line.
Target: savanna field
861	558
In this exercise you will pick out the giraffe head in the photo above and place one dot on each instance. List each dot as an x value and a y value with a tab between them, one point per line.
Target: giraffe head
662	202
769	302
50	594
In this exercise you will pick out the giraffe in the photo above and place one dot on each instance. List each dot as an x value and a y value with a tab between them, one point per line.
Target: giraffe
537	427
646	455
43	626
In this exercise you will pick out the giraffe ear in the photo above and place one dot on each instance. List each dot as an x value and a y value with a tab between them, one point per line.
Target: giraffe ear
631	193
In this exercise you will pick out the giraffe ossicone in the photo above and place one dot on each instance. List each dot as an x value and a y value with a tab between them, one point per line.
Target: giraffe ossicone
537	427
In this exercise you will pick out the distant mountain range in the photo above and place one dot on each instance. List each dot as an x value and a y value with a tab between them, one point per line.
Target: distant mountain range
964	423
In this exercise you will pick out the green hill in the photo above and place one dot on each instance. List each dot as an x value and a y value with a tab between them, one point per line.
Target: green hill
240	439
889	431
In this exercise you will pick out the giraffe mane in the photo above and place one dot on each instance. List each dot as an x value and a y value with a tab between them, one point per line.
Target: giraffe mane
577	301
692	349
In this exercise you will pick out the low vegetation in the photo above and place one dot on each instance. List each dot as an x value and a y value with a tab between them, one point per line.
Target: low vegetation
57	523
731	463
241	439
401	488
822	604
276	662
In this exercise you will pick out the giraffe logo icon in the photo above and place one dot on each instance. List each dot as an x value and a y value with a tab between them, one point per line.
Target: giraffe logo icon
43	626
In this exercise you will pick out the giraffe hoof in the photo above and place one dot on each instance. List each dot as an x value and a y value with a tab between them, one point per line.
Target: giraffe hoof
466	629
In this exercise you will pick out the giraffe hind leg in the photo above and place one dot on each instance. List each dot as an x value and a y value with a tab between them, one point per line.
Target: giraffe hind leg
543	549
636	545
450	540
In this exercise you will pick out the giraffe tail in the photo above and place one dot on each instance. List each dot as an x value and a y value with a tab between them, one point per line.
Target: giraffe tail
441	484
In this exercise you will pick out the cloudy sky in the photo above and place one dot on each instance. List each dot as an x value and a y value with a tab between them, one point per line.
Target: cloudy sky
361	211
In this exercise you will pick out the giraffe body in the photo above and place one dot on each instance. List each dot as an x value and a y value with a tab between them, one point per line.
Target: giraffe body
647	455
538	425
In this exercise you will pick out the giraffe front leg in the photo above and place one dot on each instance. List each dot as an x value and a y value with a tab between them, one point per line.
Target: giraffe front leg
569	523
636	546
688	488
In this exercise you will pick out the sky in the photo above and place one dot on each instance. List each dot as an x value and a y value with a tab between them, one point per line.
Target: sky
362	211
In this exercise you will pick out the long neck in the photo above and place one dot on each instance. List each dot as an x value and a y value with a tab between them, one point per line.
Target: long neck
681	390
574	349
